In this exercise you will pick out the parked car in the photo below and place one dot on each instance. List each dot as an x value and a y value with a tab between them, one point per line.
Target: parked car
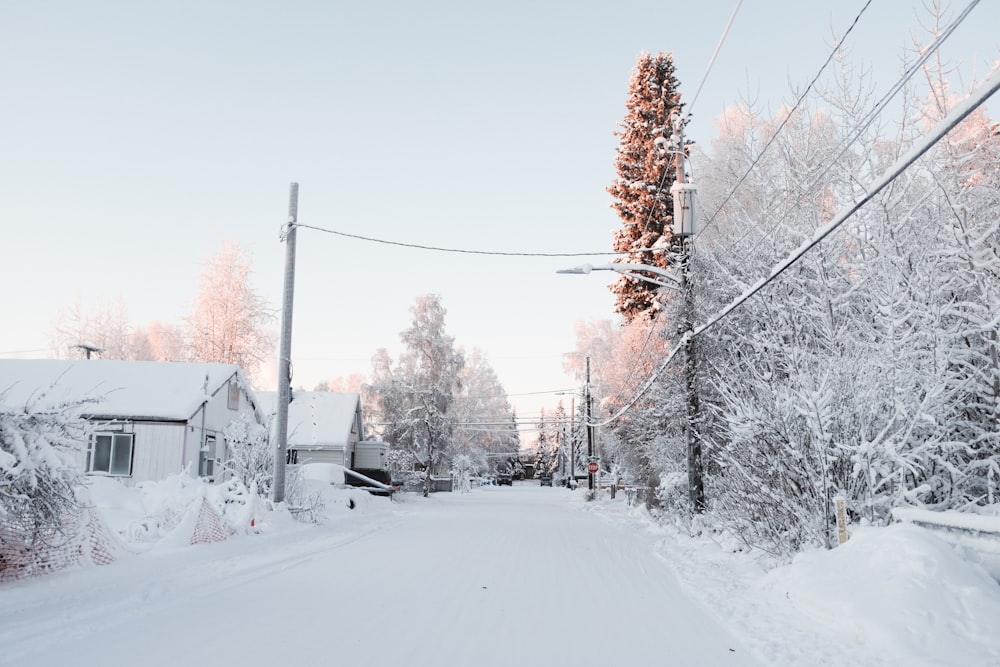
505	478
545	480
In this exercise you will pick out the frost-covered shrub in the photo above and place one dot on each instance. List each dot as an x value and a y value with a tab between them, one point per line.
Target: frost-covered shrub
304	502
251	454
39	473
672	494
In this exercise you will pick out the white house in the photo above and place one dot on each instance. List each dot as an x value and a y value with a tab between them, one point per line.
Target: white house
325	427
151	419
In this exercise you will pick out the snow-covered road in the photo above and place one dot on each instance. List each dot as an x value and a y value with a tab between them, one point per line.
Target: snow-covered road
499	576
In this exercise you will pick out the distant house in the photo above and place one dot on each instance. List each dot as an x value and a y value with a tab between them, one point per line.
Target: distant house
326	427
151	419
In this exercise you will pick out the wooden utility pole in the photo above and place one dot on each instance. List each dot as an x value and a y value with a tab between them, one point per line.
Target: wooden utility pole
684	231
285	351
590	429
572	442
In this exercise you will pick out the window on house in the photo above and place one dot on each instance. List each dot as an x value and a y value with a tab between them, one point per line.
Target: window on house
234	395
110	453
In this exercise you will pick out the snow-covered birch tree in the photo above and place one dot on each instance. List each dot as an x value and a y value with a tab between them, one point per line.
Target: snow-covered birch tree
229	321
483	414
416	398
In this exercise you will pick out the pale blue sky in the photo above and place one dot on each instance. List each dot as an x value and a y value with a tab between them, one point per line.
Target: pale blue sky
136	136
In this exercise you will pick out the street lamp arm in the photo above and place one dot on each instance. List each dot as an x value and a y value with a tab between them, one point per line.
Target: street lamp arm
633	271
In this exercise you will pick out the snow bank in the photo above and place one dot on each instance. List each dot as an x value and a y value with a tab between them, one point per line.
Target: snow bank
984	523
896	590
158	515
896	595
329	473
975	536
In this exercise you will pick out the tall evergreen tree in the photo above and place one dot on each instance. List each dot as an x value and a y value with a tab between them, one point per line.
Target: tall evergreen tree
645	168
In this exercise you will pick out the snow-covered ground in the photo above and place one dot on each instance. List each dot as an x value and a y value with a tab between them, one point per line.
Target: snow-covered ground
522	575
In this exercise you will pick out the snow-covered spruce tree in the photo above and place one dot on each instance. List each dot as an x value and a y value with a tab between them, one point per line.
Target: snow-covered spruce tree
645	171
416	398
40	446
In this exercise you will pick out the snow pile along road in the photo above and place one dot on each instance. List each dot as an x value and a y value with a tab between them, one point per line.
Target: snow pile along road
889	596
503	575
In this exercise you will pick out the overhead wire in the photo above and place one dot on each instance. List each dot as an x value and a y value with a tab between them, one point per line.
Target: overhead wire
958	114
465	251
659	188
865	123
635	363
784	121
419	246
715	54
777	270
9	352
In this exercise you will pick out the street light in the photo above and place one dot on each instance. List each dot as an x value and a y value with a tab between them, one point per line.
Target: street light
696	489
630	269
683	230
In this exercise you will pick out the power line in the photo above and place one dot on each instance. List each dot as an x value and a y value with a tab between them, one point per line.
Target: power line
465	251
551	391
41	349
957	115
635	363
785	121
718	47
659	187
865	123
647	384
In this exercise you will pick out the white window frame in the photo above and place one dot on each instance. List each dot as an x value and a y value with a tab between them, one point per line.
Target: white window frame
114	441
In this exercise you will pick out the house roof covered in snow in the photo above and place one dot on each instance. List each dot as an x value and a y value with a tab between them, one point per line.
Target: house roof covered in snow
316	418
154	390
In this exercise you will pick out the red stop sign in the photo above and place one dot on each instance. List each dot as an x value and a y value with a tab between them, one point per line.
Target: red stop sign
592	467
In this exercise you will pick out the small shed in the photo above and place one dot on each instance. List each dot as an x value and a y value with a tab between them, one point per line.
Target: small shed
323	426
150	419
